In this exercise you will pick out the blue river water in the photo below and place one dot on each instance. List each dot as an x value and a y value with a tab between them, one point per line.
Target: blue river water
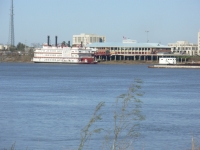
45	106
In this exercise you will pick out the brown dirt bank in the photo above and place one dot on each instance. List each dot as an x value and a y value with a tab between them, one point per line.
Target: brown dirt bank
20	58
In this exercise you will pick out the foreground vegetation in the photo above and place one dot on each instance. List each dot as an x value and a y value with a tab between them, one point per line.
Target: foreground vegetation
127	116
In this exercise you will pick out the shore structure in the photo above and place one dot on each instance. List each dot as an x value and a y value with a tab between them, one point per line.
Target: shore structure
167	66
86	39
168	62
185	66
184	47
131	50
198	53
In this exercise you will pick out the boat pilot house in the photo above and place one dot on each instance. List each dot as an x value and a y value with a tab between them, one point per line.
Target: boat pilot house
129	50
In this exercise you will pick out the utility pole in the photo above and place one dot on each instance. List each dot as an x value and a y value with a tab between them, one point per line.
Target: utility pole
147	36
25	46
11	39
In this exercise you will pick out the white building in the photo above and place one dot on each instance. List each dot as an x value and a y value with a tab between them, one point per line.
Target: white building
198	53
184	47
167	60
88	39
1	47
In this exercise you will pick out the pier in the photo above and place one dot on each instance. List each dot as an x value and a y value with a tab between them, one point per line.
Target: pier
181	58
175	66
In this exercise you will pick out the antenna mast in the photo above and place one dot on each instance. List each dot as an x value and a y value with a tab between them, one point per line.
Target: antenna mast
11	40
147	36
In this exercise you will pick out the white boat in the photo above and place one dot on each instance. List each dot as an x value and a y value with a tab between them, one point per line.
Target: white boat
63	54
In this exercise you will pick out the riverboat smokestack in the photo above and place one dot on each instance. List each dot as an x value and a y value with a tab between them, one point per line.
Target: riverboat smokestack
81	44
48	38
56	38
68	44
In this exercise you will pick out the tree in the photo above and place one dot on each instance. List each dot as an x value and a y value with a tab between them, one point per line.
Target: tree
20	46
64	43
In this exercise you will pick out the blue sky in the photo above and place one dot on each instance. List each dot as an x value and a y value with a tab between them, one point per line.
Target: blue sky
166	20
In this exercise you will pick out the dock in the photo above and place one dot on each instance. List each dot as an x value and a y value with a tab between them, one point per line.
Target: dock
176	66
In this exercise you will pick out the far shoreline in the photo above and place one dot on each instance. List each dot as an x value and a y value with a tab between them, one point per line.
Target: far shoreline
28	58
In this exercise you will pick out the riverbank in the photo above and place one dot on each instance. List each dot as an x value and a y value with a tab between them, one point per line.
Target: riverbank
27	59
16	58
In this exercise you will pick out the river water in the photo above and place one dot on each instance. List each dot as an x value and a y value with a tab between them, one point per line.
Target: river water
45	106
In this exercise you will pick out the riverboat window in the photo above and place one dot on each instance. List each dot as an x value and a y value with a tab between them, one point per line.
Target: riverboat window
136	48
115	48
139	49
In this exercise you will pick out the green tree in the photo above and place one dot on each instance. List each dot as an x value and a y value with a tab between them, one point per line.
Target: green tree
64	43
20	46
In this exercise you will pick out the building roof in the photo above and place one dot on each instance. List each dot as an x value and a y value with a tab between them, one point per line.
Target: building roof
120	44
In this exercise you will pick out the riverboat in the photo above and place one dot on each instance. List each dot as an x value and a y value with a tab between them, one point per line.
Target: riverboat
63	54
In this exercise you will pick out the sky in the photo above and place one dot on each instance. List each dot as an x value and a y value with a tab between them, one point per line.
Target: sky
166	21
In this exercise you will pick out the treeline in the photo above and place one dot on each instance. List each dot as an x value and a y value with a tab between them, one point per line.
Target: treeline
21	46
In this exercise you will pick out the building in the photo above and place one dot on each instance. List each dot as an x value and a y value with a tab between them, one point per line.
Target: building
128	49
2	47
198	53
87	39
167	60
184	47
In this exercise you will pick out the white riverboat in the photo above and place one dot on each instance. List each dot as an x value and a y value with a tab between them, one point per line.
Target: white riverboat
63	54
